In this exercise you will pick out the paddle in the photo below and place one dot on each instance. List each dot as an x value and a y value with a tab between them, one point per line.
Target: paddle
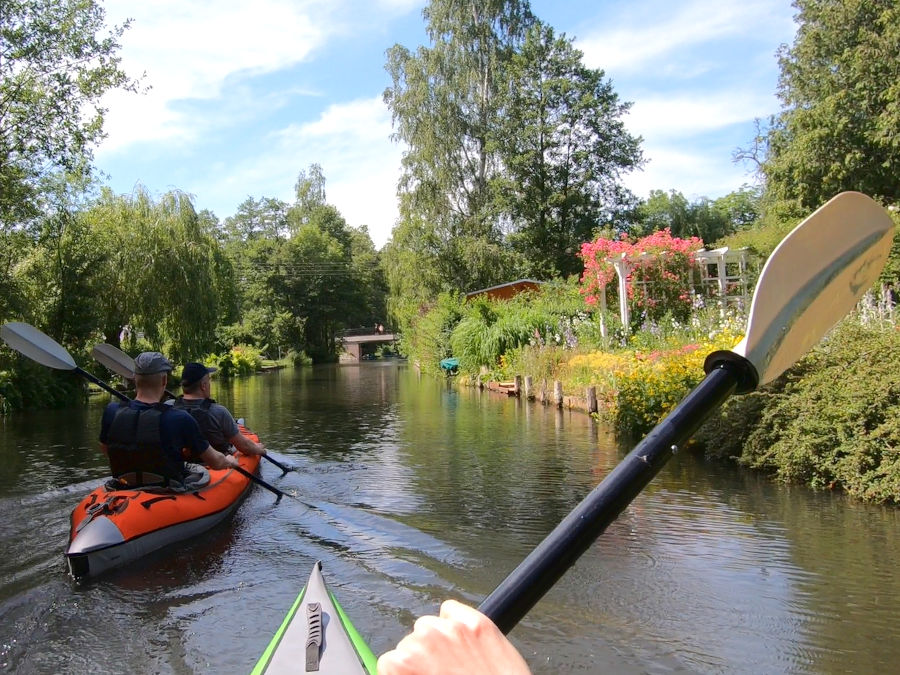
122	364
810	281
37	346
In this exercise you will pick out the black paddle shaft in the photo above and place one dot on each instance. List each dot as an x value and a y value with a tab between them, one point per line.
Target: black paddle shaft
535	575
100	383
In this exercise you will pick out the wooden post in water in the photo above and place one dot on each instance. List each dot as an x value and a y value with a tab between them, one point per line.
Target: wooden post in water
518	384
591	397
529	388
557	394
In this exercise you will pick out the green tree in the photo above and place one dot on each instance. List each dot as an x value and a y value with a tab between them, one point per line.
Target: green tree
368	276
310	189
741	208
444	102
56	62
263	320
411	266
664	210
708	219
316	285
163	271
564	147
265	217
62	274
840	90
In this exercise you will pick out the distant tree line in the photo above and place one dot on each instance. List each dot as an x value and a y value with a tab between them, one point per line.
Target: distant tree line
514	155
87	265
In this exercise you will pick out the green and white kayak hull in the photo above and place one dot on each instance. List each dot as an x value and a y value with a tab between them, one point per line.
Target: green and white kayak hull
316	636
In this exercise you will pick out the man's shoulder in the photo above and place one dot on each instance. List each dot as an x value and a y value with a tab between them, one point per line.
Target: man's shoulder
177	416
218	408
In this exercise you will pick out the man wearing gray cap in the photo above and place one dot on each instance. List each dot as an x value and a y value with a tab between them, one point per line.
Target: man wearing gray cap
216	422
143	438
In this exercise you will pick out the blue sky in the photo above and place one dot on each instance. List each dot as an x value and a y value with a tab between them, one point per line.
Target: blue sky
242	96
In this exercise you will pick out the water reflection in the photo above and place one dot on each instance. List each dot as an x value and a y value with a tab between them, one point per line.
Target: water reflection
410	491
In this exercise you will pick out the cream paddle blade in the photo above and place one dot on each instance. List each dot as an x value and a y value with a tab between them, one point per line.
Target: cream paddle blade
813	278
115	359
31	342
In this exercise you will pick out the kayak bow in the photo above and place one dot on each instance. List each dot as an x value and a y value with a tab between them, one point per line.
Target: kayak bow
317	635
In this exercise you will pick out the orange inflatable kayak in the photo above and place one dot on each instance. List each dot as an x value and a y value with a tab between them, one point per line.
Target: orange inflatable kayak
111	527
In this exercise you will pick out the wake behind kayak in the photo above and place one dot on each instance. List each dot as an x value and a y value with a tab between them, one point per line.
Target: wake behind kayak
318	636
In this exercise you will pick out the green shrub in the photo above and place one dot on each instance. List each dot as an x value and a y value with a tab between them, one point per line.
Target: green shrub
28	385
240	360
832	421
428	340
297	359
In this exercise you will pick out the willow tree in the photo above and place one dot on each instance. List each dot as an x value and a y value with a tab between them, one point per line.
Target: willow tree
840	90
444	102
164	271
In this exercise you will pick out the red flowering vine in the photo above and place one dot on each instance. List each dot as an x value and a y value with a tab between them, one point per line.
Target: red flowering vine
660	277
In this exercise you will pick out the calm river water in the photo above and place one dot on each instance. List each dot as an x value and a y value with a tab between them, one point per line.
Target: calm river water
421	492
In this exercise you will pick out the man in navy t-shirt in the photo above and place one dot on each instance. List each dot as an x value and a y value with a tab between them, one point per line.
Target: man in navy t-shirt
144	440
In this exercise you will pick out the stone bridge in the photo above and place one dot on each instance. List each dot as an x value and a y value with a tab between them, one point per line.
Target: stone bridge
359	343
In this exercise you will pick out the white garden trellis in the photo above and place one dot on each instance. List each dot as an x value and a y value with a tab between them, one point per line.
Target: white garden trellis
723	274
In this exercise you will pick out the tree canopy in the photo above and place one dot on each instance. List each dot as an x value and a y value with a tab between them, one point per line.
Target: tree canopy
840	88
56	62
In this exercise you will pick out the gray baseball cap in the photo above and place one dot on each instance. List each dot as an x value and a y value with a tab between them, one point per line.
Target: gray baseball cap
149	363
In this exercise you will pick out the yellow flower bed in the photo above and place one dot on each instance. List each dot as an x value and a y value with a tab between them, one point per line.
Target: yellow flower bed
636	389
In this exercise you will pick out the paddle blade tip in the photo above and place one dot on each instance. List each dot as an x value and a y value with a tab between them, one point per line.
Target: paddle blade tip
813	278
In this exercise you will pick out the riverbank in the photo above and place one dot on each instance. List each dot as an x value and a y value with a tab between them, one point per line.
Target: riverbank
830	422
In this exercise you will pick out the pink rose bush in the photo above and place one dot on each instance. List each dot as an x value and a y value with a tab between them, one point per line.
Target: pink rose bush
660	278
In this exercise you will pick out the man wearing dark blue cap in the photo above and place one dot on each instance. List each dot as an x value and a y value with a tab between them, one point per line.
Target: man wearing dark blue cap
143	439
216	422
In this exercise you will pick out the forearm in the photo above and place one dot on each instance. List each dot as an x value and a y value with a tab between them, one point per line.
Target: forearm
214	459
246	445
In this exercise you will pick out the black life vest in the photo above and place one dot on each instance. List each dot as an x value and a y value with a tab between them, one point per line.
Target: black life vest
207	424
134	444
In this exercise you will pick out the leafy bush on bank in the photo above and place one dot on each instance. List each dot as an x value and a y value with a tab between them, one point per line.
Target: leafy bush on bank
240	360
428	339
25	384
832	421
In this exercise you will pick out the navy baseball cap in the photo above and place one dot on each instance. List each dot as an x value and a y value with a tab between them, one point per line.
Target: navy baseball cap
194	372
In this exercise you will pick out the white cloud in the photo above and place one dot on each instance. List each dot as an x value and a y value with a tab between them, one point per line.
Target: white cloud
189	50
648	31
350	141
681	115
361	163
692	173
402	6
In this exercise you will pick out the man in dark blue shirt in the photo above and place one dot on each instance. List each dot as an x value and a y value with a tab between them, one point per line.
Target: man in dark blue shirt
144	440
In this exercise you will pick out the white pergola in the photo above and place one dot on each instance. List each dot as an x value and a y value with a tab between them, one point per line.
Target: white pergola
723	274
